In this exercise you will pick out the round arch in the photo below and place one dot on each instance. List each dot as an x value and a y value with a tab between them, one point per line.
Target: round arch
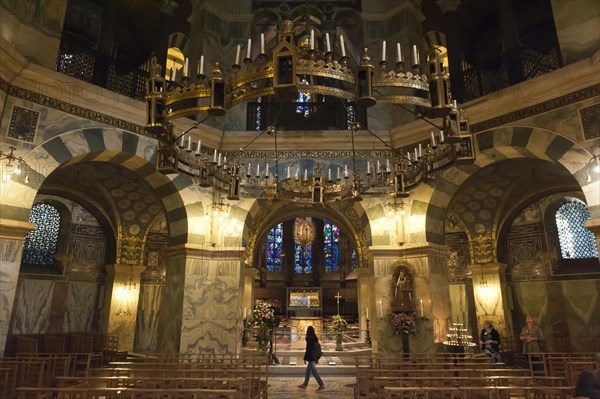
129	150
348	215
432	198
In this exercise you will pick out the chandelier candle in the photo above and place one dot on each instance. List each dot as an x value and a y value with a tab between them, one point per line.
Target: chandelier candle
201	69
415	55
312	39
342	46
399	56
262	43
186	67
198	148
383	51
327	42
249	49
237	54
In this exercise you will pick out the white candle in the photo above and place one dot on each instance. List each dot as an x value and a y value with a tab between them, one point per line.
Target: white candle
420	150
186	67
305	174
367	313
249	49
342	46
297	171
408	155
381	308
249	165
244	313
189	143
454	104
387	165
338	173
262	43
308	301
441	136
399	55
267	171
329	174
415	55
312	39
174	72
288	172
182	141
219	161
345	170
237	54
421	308
327	42
416	153
378	166
383	51
368	168
257	170
432	140
201	65
198	148
215	156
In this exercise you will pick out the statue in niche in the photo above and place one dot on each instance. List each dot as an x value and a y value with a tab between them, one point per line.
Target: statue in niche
403	301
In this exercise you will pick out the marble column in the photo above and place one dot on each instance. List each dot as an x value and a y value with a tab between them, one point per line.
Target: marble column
121	302
490	294
12	236
248	300
427	263
365	300
151	295
203	301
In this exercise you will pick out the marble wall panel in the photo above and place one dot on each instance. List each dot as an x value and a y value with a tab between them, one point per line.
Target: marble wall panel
146	328
32	306
81	306
169	332
211	306
582	310
531	299
10	259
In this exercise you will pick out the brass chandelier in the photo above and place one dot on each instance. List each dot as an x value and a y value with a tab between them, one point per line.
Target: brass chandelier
303	67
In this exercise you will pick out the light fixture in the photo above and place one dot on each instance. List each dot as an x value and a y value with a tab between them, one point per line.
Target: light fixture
483	284
19	163
303	67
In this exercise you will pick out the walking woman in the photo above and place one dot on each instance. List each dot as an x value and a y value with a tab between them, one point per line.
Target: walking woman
311	357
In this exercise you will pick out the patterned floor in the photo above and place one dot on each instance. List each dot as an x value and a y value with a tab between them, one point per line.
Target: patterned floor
336	387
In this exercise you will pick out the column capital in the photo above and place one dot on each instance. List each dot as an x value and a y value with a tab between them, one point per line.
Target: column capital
15	229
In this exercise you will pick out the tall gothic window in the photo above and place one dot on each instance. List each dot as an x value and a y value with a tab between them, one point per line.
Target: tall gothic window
331	246
41	243
275	248
302	258
576	242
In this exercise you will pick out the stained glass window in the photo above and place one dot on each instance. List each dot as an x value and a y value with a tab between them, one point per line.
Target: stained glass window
331	246
354	260
576	242
275	248
302	256
41	243
304	98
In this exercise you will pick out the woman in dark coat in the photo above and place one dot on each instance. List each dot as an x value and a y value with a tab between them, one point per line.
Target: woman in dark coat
309	359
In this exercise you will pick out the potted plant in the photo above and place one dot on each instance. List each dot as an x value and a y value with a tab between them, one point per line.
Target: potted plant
403	324
263	316
338	326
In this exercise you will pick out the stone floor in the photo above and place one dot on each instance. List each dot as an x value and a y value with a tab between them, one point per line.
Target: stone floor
287	387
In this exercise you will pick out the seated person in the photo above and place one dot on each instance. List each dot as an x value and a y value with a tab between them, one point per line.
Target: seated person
588	382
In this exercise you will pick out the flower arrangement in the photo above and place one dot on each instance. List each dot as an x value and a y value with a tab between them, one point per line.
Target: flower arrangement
263	317
338	324
403	323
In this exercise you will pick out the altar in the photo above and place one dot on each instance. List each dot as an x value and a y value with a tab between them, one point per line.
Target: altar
298	326
304	309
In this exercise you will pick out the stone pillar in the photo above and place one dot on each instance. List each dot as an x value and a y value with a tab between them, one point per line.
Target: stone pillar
594	226
491	303
248	300
203	302
12	236
151	294
365	301
427	263
121	302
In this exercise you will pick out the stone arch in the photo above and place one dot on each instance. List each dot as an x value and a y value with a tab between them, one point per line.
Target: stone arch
129	150
346	214
495	145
